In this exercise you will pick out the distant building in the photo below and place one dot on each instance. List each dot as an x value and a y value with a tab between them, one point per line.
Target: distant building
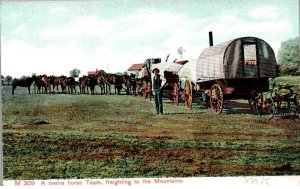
135	68
97	72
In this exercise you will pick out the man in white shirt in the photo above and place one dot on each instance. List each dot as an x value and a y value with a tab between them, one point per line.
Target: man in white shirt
158	83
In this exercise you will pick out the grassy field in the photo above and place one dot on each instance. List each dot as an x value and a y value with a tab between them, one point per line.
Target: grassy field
97	136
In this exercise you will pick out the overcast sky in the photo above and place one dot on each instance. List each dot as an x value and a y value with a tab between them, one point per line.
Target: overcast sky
52	37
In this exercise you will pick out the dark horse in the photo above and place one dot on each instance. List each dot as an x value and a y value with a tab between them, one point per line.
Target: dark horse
88	82
115	80
130	83
23	82
70	85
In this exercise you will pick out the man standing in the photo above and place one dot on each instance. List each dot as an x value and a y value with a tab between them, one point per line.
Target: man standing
157	85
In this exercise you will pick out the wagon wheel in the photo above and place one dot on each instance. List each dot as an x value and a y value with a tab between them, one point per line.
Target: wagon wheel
188	94
175	93
297	106
284	109
216	99
265	106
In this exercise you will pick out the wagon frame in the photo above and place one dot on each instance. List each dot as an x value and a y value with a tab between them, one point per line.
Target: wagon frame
236	69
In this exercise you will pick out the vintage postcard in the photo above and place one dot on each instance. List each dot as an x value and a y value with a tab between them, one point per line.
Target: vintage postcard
150	93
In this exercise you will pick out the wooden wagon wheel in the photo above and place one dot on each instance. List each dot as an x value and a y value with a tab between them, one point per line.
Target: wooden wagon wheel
216	99
188	94
175	93
265	106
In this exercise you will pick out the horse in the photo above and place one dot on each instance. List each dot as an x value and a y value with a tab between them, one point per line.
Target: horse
145	77
81	84
60	81
54	81
89	82
101	84
70	84
42	82
139	87
23	82
115	80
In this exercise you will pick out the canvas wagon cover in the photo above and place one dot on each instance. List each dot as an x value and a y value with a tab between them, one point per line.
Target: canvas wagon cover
188	71
167	66
227	60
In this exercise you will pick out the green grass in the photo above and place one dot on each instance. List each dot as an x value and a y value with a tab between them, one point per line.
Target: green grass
96	136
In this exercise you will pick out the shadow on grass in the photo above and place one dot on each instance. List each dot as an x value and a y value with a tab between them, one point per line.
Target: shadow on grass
230	107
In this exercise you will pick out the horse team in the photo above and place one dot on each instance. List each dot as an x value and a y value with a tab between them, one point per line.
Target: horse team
86	84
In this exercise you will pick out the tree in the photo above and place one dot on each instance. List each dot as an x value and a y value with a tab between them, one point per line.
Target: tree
289	57
74	72
2	79
8	79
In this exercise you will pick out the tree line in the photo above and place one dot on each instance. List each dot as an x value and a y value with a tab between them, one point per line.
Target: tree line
289	57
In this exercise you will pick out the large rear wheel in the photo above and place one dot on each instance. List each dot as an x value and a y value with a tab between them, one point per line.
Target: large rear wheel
216	99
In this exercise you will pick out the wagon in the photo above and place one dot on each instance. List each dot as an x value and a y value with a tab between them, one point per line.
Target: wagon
236	69
168	70
280	101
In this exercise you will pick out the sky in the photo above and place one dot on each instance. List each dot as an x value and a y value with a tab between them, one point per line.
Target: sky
53	37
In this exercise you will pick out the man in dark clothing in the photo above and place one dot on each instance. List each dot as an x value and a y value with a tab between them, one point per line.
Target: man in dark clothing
158	83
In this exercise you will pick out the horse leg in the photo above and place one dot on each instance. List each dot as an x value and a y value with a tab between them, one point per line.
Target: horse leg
100	88
13	89
29	89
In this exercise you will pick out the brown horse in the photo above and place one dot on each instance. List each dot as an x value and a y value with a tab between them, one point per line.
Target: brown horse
42	82
139	87
54	81
101	84
118	83
131	84
70	84
81	84
115	80
145	76
61	80
23	82
89	82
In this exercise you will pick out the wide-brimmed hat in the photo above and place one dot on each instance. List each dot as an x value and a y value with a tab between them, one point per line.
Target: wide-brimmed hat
155	69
